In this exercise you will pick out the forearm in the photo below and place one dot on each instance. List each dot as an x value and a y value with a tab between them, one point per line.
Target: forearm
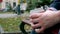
57	17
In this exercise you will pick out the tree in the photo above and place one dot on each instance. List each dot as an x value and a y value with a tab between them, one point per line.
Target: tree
38	3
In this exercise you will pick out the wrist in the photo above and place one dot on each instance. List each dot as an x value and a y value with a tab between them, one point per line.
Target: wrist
58	15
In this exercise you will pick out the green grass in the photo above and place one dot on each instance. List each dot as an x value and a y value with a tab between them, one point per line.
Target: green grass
12	24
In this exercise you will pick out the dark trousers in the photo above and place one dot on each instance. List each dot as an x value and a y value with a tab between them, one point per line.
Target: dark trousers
33	32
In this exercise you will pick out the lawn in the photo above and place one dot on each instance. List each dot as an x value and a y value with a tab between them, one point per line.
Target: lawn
12	24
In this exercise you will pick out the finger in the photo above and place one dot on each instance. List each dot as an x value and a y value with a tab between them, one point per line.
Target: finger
35	26
36	15
42	11
35	20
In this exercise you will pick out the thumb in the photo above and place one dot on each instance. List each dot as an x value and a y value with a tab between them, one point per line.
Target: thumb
41	30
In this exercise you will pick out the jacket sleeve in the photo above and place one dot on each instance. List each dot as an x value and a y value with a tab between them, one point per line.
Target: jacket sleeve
55	4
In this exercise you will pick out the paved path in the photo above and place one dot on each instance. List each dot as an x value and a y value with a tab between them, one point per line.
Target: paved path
8	15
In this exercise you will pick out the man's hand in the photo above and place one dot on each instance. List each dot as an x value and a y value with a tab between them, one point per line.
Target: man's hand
45	20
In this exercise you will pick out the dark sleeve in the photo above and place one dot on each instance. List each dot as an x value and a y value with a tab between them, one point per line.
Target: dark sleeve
56	4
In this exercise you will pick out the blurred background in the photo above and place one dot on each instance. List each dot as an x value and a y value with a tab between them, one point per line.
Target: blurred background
12	12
